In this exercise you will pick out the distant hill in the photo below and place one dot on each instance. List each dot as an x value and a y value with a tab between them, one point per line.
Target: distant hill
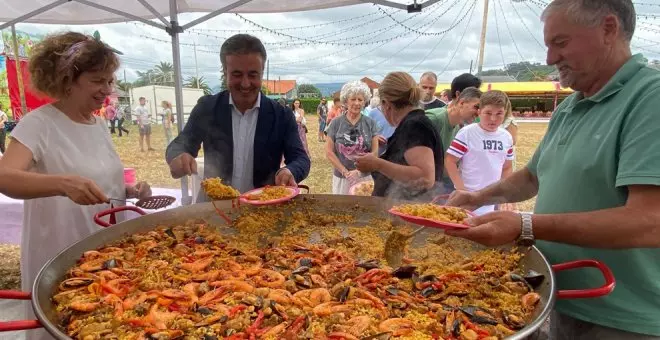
327	89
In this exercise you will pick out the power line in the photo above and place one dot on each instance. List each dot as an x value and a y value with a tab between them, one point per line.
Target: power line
361	55
506	23
499	40
404	47
525	25
293	28
454	24
460	42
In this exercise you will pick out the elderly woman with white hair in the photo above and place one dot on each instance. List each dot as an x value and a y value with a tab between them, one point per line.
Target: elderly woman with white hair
350	136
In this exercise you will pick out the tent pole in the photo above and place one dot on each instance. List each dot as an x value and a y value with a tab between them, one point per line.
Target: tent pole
154	12
174	31
31	14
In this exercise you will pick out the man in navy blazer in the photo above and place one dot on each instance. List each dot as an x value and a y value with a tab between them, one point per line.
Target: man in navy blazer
243	132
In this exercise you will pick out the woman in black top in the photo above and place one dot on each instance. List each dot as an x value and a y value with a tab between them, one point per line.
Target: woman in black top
411	167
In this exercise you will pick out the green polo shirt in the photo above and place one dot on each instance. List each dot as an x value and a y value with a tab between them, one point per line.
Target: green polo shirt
440	119
594	148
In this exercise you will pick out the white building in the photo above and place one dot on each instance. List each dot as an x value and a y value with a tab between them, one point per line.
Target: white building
155	94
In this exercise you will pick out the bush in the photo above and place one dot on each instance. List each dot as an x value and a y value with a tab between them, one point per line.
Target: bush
310	104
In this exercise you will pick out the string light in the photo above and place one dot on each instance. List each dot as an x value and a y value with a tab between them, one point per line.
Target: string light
525	25
454	24
460	42
506	23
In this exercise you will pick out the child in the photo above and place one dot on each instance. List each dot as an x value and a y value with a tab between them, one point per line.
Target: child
485	149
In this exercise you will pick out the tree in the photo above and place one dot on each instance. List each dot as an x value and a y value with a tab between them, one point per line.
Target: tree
523	71
308	90
200	83
223	82
122	85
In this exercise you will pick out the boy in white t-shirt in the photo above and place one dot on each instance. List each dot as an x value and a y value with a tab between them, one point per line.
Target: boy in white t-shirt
484	149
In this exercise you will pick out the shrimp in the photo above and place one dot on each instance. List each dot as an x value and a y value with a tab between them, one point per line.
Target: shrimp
355	325
84	306
116	302
280	296
342	335
211	296
397	326
274	331
208	276
133	301
269	278
235	285
530	300
329	308
198	265
93	265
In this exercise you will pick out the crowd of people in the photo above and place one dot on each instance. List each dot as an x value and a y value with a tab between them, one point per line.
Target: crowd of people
596	174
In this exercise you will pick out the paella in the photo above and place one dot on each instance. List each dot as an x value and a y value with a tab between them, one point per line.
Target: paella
194	281
269	193
434	212
364	188
217	190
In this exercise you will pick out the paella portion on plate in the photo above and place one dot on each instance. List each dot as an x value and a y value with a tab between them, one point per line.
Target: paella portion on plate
195	281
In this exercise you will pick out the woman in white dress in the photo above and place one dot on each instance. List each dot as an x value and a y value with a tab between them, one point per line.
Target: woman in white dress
61	159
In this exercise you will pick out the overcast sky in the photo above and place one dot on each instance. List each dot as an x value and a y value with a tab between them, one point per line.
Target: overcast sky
393	38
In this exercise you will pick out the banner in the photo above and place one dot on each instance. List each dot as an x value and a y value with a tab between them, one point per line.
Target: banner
32	100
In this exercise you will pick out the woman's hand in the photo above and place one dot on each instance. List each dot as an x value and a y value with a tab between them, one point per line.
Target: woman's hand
81	190
368	163
140	191
352	175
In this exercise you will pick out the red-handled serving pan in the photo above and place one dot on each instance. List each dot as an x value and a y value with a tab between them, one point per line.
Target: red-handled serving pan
364	209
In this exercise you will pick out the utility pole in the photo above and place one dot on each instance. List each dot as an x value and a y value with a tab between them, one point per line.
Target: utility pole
482	45
19	72
196	68
471	65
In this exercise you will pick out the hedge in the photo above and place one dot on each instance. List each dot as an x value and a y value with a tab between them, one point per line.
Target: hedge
310	104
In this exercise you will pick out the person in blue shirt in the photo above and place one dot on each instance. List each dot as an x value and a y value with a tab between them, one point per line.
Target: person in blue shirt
385	130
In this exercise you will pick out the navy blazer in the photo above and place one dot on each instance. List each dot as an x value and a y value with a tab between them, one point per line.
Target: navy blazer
276	135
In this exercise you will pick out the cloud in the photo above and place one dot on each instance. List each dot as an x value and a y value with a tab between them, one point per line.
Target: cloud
514	33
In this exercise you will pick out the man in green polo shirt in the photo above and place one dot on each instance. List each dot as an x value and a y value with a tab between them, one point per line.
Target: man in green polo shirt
596	173
448	120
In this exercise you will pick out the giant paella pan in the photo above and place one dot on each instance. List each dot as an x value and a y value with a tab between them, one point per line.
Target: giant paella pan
312	268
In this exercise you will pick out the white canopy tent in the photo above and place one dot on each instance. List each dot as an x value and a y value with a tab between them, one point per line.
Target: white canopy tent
81	12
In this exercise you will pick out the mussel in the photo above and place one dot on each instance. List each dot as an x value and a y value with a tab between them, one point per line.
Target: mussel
300	270
404	272
199	240
75	282
236	252
204	311
534	278
428	291
277	309
109	264
210	337
514	321
392	290
253	300
479	315
343	294
306	262
369	264
456	328
170	233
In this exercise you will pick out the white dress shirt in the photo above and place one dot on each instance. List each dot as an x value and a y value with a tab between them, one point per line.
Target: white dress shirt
244	126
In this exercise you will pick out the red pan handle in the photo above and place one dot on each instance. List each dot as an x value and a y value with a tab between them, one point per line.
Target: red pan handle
603	290
112	211
19	325
302	186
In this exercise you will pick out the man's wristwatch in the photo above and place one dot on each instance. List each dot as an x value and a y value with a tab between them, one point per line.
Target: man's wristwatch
526	238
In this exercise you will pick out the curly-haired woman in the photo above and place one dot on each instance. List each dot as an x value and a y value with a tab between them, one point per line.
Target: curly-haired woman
62	150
